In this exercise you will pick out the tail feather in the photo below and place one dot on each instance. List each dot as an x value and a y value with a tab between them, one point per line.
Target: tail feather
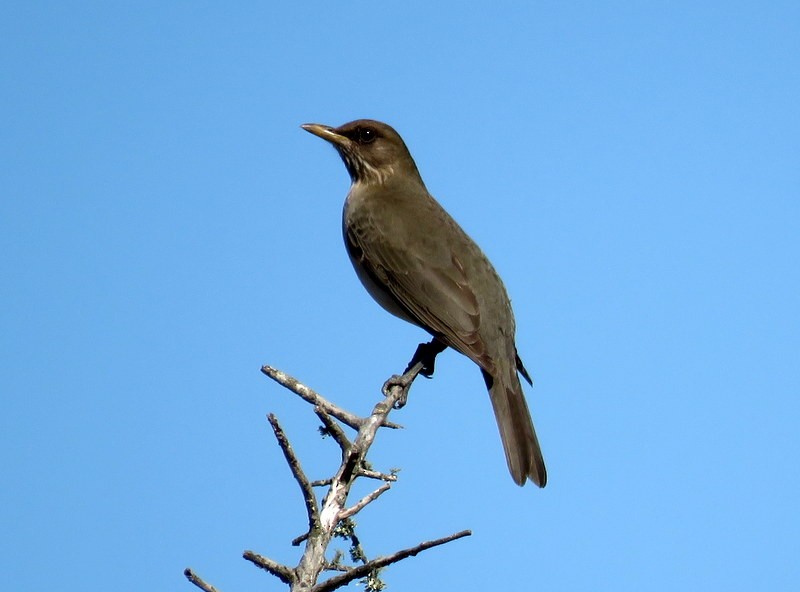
523	454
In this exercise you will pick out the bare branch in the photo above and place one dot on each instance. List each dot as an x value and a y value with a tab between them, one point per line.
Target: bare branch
283	573
198	581
294	464
379	562
311	396
334	567
297	540
326	517
377	475
368	473
370	497
333	429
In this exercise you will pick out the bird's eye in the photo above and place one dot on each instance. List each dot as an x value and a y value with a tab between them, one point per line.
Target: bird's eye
366	135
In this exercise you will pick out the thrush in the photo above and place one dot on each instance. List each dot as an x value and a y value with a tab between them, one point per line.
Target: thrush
419	265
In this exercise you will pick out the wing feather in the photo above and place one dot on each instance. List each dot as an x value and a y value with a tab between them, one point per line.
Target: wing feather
434	291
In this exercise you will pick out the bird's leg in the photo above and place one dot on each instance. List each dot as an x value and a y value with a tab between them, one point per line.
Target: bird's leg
426	353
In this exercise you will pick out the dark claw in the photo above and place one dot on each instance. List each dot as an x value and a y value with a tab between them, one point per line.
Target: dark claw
404	383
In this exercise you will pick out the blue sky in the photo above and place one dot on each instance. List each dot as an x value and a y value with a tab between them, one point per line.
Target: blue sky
166	228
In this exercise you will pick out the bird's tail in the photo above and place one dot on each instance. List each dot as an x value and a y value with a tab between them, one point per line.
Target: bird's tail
523	454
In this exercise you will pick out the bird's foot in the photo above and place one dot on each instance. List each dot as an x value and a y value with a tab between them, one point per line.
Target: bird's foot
404	383
422	363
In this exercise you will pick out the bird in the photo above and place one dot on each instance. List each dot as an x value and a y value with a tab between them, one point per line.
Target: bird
417	262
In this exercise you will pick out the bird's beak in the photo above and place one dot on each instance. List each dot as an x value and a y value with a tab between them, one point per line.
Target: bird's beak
325	132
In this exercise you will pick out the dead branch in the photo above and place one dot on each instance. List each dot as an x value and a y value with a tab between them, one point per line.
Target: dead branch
282	572
369	474
309	496
332	516
333	428
379	562
362	503
311	396
197	581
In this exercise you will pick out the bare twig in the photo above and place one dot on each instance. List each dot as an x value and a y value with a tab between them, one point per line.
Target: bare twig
198	581
282	572
334	567
332	428
379	562
358	506
369	474
311	396
305	485
297	540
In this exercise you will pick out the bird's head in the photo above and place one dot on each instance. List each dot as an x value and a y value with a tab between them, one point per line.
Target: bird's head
372	151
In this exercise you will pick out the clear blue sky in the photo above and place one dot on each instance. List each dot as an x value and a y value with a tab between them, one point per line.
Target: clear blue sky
166	228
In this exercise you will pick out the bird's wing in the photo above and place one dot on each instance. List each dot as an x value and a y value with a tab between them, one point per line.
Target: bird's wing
434	291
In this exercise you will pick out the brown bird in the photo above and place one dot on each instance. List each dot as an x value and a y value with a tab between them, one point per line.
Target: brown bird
419	265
